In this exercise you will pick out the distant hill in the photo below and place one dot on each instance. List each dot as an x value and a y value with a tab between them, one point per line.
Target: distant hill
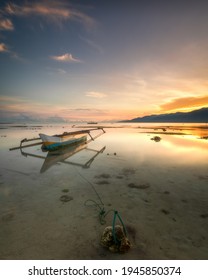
196	116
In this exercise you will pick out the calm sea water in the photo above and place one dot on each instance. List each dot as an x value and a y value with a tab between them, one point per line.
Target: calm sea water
49	204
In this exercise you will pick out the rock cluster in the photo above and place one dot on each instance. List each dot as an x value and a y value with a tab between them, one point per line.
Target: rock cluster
117	243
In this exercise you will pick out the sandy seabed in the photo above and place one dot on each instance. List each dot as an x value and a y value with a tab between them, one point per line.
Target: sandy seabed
161	197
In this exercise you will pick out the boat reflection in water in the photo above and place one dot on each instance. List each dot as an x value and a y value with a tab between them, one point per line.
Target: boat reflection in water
64	153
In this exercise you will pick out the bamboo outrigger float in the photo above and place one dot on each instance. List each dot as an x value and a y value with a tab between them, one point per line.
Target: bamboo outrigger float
59	140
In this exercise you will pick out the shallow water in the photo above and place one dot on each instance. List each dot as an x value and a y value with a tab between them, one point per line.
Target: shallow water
158	188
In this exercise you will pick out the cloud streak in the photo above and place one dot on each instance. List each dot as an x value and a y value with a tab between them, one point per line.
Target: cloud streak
20	109
185	102
93	45
54	10
95	94
67	57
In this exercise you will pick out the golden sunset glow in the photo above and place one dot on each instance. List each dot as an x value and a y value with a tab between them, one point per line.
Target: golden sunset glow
101	62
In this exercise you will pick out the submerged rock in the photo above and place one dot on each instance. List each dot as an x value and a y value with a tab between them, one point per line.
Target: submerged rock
204	137
156	138
120	245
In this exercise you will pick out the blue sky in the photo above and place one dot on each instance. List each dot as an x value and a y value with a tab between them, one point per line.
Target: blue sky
102	60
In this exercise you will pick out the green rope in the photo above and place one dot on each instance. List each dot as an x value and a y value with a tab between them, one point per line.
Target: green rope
114	221
100	206
91	186
102	212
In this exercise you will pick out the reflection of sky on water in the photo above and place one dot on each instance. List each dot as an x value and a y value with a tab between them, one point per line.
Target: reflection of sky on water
187	149
173	149
131	144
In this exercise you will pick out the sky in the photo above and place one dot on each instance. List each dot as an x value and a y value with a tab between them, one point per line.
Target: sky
102	60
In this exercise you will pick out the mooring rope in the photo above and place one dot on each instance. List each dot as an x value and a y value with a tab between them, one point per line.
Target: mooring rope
101	209
99	205
102	212
91	186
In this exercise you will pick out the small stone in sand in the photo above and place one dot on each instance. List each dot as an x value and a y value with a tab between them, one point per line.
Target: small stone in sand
104	182
166	212
204	216
66	198
142	186
65	190
166	192
104	175
119	177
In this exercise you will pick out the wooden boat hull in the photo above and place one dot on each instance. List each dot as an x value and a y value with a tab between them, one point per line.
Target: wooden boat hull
52	143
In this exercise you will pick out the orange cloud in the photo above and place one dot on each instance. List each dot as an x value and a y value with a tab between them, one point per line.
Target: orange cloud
37	8
185	103
6	24
67	57
3	48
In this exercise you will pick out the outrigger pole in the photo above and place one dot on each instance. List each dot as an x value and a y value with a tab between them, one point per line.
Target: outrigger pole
83	131
25	146
58	135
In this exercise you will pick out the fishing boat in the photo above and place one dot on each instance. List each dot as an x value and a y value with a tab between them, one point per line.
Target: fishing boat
60	147
51	143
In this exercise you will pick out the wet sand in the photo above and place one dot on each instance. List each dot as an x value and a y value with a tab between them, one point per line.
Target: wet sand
159	192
